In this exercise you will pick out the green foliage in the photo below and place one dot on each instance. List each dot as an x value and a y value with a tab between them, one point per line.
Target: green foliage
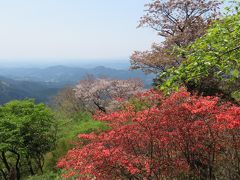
138	104
68	129
236	95
27	126
27	132
213	61
46	176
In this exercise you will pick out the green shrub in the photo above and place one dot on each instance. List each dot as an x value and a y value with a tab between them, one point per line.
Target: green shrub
68	129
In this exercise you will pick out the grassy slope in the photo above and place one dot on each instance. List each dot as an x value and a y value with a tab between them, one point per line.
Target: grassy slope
68	129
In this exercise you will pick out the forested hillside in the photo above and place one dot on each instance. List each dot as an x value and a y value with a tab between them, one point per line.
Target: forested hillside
12	89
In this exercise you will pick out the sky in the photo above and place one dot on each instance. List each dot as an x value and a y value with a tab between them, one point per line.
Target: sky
56	31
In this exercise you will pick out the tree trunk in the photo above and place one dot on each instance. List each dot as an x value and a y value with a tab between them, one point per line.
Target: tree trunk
16	169
100	107
4	159
30	165
3	174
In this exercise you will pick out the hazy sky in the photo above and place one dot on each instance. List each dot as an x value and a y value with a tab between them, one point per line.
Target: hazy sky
72	29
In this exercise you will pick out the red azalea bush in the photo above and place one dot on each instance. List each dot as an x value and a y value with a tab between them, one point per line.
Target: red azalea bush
180	136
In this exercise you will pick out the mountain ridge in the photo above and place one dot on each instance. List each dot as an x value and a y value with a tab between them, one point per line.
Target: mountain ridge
43	83
72	75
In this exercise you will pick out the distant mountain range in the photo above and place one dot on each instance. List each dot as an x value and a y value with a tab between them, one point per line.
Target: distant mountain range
42	84
70	75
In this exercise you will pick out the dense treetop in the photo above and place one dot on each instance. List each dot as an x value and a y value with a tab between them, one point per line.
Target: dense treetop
212	62
27	133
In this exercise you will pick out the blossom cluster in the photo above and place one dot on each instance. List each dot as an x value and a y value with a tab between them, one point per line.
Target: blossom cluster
182	135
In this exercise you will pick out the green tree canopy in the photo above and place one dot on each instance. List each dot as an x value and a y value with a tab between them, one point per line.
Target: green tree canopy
27	132
212	62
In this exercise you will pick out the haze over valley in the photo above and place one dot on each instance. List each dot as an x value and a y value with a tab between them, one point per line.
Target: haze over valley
42	84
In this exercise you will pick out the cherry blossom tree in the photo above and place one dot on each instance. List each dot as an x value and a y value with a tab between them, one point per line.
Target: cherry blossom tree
103	94
178	23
